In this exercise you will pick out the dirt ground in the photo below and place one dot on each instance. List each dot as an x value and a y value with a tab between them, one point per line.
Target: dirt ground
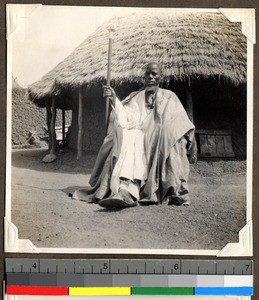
43	212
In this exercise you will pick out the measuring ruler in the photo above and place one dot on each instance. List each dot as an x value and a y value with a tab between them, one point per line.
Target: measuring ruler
128	277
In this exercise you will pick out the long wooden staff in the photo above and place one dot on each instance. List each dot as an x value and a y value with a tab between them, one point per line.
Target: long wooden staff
111	31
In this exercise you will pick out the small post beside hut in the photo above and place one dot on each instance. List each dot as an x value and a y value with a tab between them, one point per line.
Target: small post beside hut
63	124
51	122
52	125
80	124
48	112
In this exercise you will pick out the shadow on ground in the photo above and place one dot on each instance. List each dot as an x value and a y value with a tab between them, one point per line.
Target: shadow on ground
66	161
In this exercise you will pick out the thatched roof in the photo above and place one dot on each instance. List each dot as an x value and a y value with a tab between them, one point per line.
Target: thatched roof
189	46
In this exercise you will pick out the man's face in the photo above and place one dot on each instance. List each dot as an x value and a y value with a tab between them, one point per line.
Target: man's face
152	77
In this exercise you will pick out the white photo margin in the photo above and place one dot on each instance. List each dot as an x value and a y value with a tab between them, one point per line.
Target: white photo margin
244	247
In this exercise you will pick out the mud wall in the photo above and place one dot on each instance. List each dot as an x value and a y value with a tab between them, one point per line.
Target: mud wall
27	117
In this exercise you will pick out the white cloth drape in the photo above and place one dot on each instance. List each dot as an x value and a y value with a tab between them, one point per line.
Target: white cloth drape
132	162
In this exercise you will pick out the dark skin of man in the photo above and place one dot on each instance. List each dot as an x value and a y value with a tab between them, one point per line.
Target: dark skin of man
152	78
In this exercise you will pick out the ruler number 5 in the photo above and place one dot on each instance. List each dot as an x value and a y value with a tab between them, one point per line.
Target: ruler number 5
105	266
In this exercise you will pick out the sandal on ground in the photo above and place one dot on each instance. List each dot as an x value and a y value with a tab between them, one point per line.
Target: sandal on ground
122	199
179	200
146	201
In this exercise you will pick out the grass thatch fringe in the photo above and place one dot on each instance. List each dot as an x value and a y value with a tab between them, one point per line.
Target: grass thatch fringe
187	45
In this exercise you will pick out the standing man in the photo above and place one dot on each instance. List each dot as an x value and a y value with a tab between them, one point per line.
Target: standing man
143	158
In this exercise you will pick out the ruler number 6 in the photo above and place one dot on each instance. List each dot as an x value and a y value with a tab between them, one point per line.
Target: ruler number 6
176	266
34	266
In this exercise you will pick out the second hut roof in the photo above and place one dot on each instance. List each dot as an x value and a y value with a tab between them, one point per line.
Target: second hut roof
192	46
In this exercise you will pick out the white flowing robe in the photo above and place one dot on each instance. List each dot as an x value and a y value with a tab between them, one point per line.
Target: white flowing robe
153	141
132	162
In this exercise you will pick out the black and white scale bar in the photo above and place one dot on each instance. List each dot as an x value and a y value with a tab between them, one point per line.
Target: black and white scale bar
129	266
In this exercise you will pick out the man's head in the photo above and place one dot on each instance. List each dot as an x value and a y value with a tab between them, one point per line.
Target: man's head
152	76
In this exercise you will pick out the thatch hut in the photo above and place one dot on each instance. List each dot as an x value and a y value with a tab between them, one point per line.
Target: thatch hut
203	56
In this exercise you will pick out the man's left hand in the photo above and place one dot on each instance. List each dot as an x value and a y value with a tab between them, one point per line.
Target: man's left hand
193	151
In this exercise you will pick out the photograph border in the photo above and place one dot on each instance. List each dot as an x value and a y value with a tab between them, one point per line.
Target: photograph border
242	248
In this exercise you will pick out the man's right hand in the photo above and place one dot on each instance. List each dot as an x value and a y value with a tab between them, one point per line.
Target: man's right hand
108	92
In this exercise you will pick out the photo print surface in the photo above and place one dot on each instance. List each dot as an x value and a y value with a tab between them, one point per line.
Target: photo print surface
129	130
